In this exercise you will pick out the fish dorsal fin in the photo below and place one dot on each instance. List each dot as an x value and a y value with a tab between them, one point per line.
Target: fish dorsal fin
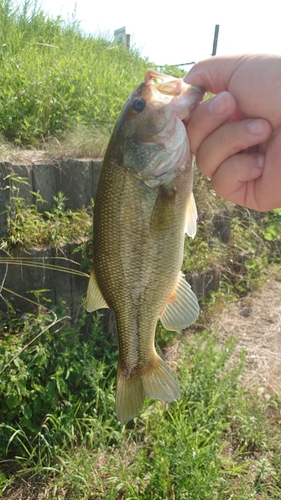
191	217
182	308
95	298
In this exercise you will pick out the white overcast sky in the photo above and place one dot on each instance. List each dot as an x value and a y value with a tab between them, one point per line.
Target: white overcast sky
177	31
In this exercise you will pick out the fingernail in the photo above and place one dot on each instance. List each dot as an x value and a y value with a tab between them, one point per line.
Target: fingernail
256	127
260	160
219	104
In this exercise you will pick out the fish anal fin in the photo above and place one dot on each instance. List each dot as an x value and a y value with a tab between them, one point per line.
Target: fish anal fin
160	383
95	298
191	217
182	308
131	391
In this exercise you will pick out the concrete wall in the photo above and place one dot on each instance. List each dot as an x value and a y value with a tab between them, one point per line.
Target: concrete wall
28	271
77	179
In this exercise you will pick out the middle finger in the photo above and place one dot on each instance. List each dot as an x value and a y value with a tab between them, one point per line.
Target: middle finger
228	140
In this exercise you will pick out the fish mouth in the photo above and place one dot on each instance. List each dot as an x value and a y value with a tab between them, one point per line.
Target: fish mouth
168	90
169	85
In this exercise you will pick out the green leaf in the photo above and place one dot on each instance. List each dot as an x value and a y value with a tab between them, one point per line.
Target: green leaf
12	401
26	410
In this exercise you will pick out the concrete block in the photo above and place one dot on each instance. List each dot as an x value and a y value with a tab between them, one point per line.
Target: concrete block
77	179
204	282
34	277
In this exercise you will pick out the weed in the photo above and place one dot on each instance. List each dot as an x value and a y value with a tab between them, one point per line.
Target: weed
58	421
49	381
27	226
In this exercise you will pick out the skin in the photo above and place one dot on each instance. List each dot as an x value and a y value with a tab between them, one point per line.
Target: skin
245	113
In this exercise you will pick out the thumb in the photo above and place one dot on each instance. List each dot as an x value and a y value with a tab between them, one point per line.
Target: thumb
214	74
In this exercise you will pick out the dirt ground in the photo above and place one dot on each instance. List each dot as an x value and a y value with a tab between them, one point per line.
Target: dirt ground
256	321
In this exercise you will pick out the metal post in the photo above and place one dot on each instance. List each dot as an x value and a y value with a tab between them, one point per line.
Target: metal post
215	42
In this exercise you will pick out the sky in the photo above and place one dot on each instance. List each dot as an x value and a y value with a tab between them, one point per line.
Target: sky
177	31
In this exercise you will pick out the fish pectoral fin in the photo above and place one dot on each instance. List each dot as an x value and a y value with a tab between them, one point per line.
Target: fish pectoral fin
131	391
163	214
182	308
191	217
95	298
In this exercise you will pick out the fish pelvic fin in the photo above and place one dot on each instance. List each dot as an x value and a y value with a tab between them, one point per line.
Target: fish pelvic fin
182	308
156	383
94	298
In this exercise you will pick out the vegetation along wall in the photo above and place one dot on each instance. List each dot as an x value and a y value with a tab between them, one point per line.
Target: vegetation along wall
26	269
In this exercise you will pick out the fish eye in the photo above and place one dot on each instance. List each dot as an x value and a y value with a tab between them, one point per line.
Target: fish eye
138	104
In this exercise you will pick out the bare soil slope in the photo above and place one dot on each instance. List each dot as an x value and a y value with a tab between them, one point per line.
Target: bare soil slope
256	321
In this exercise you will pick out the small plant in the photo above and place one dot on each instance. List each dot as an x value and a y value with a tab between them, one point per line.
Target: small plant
27	226
50	380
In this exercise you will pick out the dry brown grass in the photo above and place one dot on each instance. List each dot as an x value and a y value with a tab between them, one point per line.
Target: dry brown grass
81	142
256	322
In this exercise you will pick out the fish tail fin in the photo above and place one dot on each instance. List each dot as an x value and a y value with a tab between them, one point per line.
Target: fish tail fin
129	395
156	383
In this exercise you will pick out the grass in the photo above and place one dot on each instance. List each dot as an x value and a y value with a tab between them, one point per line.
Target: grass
57	390
60	89
54	78
28	226
59	429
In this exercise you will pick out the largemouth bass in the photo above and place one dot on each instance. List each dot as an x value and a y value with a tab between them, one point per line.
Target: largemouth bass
143	206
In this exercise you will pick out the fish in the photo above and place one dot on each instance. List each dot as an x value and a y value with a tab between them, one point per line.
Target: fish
144	204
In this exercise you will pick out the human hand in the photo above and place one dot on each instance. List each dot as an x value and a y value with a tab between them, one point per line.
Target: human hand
246	113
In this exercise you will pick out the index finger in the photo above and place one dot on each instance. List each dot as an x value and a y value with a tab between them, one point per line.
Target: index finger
208	117
214	74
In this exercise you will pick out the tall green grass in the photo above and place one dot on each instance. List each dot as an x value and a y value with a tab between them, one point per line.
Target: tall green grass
54	77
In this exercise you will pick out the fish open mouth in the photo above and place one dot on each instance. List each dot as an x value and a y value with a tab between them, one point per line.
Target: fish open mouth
169	85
